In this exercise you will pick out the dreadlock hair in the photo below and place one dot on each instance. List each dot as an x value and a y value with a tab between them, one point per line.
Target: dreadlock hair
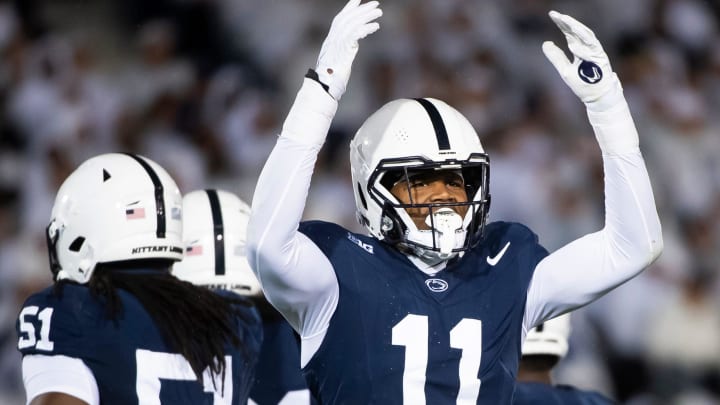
177	307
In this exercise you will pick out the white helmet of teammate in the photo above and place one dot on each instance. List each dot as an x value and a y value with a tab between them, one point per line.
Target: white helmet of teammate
548	338
114	207
214	238
410	135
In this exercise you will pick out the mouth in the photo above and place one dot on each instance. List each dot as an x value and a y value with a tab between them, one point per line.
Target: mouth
445	220
425	216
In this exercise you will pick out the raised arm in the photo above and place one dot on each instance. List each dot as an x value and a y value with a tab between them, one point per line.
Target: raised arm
631	239
296	276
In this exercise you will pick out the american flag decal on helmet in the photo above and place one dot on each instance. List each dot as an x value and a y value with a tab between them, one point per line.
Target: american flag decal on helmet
134	213
194	250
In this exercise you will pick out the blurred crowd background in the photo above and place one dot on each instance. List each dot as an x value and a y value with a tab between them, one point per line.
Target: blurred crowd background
202	87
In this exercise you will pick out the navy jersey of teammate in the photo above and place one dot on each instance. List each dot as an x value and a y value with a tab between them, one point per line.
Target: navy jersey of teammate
544	346
130	361
214	238
433	305
534	393
117	327
278	379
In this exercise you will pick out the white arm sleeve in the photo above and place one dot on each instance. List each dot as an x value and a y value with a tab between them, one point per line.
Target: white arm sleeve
297	278
631	239
44	374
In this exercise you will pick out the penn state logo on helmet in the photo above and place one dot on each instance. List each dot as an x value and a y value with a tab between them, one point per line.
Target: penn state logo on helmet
589	72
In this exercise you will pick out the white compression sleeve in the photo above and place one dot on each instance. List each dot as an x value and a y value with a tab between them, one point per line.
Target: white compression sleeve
631	239
44	374
296	276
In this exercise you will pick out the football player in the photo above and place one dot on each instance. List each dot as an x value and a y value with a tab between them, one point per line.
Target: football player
117	327
214	235
432	306
544	346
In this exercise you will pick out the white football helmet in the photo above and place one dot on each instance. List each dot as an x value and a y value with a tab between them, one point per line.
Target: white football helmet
214	238
419	134
548	338
114	207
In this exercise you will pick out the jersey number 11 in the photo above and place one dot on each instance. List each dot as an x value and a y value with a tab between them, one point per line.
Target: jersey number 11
466	335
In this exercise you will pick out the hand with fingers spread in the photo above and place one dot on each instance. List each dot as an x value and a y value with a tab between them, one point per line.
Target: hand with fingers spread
589	74
354	22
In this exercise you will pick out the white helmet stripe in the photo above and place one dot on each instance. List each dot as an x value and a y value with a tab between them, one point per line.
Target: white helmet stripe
440	132
218	231
159	195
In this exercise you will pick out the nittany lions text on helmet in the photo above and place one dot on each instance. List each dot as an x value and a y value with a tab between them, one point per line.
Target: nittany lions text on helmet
114	207
214	240
409	136
548	338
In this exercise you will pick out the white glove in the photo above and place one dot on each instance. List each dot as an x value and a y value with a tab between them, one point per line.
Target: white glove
353	22
589	75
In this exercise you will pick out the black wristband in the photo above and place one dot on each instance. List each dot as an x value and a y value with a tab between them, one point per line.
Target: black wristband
312	74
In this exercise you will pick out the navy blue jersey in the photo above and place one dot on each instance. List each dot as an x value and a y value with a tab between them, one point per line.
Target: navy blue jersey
278	379
128	358
531	393
399	336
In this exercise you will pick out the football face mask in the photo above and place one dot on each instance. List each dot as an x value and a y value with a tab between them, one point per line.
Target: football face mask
420	187
435	209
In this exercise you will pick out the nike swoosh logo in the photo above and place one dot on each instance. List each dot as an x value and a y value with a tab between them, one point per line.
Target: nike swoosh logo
494	260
